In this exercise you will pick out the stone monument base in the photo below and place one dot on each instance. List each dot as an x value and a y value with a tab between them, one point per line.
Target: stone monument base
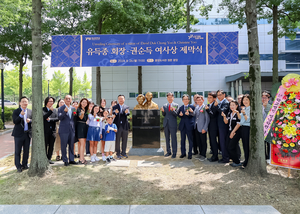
146	152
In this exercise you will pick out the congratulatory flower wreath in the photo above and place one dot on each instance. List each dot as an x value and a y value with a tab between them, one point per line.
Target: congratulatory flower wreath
286	130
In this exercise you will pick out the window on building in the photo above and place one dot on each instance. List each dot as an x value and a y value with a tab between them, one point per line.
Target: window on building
163	94
132	94
155	94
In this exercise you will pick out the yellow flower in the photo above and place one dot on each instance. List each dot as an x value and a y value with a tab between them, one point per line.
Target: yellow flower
292	96
286	145
291	82
273	141
276	129
277	113
289	129
290	117
292	144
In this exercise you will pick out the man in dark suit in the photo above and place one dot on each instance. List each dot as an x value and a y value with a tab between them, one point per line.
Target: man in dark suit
121	111
66	115
186	125
213	126
169	111
50	118
222	106
22	133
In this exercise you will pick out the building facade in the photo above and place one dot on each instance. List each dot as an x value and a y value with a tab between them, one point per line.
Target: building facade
231	78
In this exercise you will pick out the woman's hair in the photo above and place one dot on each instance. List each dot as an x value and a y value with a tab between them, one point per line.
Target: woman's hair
87	106
236	103
114	101
92	112
242	101
58	103
47	100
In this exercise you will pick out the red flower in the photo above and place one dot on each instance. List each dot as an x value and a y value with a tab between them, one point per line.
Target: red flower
284	105
74	112
293	114
277	121
285	150
289	102
286	93
285	121
280	129
293	122
274	134
298	137
298	131
280	135
288	141
273	128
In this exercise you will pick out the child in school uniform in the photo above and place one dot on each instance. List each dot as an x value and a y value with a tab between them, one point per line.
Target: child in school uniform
110	138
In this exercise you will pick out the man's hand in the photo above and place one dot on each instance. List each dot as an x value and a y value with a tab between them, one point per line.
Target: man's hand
206	107
48	119
162	109
203	131
232	135
117	111
51	108
28	120
187	113
22	113
126	111
180	114
66	109
191	110
216	103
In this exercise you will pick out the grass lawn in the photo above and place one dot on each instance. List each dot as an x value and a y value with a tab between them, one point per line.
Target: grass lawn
203	184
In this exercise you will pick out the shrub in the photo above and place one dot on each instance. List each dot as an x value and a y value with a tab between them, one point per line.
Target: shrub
7	113
1	124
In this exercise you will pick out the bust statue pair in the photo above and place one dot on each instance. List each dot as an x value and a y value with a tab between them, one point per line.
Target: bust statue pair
149	104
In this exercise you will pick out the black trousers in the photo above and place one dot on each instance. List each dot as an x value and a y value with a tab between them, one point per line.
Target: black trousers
212	134
49	144
246	141
201	142
22	142
195	145
121	133
233	146
171	131
189	134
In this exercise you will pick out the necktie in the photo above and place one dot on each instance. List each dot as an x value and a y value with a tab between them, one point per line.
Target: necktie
169	107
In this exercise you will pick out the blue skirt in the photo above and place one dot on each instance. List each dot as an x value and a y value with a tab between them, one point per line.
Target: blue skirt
103	135
93	134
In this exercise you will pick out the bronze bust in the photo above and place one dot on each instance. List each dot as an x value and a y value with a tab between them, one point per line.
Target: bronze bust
149	104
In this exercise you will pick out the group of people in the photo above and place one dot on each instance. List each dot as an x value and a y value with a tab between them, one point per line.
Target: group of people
71	123
223	119
86	123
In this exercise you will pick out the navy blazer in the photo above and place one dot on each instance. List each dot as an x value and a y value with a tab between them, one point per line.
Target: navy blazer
187	121
213	115
224	107
170	117
18	130
65	122
121	117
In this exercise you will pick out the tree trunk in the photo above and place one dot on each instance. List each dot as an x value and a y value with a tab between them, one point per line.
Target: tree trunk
21	78
140	80
275	44
98	85
188	67
39	162
71	81
98	71
257	162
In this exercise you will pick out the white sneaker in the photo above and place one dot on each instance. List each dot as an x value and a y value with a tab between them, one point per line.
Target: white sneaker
96	158
88	155
103	158
93	159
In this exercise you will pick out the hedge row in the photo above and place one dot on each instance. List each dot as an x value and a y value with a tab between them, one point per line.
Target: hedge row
7	113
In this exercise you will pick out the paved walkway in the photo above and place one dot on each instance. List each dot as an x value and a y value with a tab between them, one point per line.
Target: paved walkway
139	209
7	144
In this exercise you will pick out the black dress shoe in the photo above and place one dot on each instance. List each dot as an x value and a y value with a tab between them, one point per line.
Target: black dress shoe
73	162
24	167
210	152
212	159
190	157
220	161
223	161
168	154
173	156
75	156
19	170
182	156
66	163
